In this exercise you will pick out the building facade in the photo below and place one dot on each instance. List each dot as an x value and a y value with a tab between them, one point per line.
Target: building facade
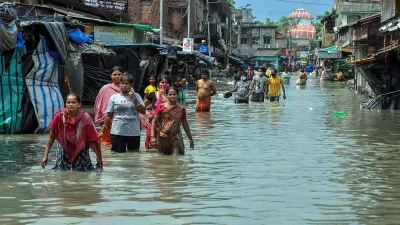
251	36
304	31
355	10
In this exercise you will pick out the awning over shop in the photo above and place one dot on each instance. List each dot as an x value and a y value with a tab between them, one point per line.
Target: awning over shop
211	61
364	60
331	49
237	60
166	50
333	52
267	52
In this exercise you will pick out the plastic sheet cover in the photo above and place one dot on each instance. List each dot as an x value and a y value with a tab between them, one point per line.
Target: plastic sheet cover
8	35
11	85
42	83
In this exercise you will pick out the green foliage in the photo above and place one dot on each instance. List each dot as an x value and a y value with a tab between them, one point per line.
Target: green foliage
284	24
232	2
318	25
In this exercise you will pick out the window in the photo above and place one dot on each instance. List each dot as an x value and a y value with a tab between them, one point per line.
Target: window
267	40
352	19
255	42
243	41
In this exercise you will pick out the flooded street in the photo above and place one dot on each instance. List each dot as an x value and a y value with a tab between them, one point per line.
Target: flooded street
291	162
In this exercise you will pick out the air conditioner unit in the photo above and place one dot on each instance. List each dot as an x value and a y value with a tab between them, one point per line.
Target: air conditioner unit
267	46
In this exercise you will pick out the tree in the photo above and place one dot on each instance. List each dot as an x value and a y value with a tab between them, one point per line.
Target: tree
318	25
284	24
232	2
268	22
257	22
318	29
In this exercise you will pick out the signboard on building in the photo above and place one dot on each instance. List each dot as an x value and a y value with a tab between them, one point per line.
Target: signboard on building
203	48
113	35
113	5
303	54
187	45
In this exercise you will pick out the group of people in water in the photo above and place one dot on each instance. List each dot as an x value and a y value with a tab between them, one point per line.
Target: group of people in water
260	85
122	114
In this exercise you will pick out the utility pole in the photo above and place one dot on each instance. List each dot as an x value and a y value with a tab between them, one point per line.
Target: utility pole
290	46
161	22
208	29
188	19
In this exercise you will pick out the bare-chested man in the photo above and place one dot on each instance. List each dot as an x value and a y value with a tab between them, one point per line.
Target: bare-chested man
205	89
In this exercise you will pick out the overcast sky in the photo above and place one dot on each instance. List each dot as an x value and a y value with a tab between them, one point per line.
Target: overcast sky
274	9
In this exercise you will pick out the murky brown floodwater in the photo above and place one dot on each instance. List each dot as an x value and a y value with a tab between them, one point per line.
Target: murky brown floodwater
287	163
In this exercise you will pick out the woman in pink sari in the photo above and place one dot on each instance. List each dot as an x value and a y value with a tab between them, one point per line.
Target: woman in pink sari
102	99
156	98
75	133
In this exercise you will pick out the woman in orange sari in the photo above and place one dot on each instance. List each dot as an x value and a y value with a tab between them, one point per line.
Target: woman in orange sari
75	133
169	118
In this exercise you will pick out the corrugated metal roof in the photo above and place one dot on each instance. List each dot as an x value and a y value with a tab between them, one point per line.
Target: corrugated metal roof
268	52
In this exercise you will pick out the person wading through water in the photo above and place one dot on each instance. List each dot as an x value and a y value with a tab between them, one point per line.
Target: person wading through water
273	91
169	118
259	85
75	132
180	85
125	108
205	89
242	89
155	99
102	99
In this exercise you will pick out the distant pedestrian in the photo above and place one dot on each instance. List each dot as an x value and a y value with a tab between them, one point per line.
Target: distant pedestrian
151	87
259	85
180	85
102	99
242	89
125	108
238	76
250	73
273	91
75	132
169	117
205	89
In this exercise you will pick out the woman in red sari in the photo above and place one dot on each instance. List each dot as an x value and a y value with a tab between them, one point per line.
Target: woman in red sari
168	119
75	132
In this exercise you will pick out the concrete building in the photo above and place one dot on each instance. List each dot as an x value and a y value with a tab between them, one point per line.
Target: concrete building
352	11
175	21
251	36
280	41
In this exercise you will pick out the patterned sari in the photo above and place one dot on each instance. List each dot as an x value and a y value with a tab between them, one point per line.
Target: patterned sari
148	144
170	140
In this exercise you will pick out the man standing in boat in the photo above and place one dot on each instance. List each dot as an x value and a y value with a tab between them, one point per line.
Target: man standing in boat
205	89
